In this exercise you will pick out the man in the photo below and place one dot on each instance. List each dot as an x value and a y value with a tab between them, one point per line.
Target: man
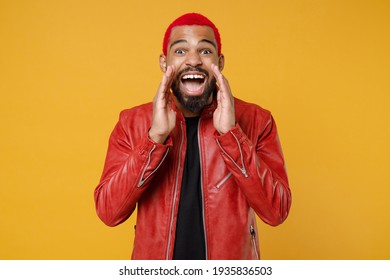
199	163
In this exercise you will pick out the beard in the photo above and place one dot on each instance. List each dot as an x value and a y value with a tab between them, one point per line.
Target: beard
194	104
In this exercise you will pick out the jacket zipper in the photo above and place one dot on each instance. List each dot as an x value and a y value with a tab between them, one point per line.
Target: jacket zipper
142	180
175	192
242	169
224	180
253	234
201	188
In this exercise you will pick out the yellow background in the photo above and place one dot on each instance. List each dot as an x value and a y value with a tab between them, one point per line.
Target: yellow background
68	67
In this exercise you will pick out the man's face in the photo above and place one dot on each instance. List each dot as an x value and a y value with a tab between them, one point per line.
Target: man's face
192	49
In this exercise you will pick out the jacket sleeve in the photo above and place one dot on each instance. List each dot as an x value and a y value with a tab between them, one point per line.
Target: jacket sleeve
128	170
259	171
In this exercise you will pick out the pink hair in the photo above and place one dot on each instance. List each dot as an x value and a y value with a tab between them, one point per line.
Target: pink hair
191	19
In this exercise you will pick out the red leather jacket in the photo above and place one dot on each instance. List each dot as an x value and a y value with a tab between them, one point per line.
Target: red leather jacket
243	174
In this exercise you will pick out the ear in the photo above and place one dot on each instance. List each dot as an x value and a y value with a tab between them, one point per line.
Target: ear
163	63
221	62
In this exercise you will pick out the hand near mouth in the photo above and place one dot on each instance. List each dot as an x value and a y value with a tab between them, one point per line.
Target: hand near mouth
224	118
164	117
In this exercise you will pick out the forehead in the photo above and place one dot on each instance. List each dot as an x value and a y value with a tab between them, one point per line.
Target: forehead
192	33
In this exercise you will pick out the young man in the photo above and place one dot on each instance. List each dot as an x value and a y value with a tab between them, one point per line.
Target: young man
199	163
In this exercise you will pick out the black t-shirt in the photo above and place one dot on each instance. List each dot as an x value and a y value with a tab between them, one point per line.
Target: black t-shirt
189	241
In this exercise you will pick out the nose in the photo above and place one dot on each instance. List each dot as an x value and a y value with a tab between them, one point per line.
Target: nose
193	59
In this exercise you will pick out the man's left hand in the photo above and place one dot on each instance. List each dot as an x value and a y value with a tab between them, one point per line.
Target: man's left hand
224	118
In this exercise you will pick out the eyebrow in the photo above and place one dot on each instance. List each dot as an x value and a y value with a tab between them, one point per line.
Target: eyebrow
201	41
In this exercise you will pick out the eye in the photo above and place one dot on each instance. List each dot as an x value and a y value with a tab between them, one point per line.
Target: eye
205	51
179	51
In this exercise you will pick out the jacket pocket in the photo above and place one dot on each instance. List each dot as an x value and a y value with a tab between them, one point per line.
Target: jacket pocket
223	181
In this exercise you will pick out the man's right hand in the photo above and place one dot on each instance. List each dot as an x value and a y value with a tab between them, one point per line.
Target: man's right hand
164	117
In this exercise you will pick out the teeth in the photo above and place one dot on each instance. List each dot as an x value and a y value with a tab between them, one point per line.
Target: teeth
190	76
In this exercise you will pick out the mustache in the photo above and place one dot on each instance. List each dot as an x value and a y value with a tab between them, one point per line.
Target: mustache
193	69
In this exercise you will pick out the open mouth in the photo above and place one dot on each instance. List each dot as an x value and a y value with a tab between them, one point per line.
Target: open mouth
193	83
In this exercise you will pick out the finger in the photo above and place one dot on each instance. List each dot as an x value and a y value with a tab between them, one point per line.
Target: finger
167	79
171	76
219	98
222	81
217	74
220	78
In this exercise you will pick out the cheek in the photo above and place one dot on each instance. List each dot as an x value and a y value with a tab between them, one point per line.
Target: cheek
208	61
207	67
175	61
